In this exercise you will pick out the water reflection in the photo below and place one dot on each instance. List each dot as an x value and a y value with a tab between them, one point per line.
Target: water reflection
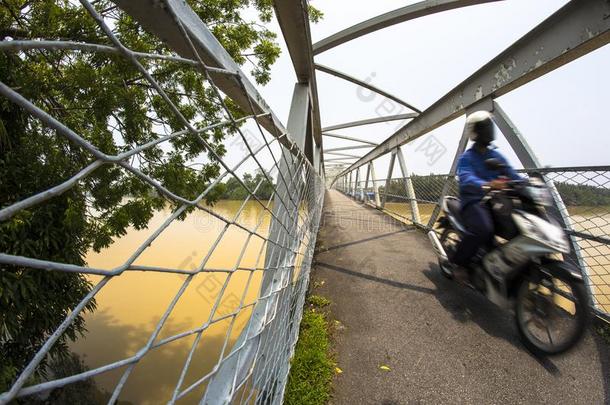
131	306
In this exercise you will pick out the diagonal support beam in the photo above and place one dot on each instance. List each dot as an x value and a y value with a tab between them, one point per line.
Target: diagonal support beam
366	85
388	179
579	27
463	142
529	161
408	187
388	19
366	184
342	154
342	160
349	138
371	121
348	148
375	185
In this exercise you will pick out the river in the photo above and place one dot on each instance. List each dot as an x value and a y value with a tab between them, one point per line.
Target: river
130	306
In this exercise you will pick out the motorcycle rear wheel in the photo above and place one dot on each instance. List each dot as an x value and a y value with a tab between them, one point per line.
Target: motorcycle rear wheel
549	306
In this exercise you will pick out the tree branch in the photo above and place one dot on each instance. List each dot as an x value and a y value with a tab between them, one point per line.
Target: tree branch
13	32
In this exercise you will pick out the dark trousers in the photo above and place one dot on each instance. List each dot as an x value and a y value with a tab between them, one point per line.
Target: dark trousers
478	222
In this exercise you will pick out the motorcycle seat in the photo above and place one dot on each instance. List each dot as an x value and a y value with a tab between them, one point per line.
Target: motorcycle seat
453	206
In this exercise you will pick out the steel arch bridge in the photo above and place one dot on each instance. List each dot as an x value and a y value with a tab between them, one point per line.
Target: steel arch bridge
254	362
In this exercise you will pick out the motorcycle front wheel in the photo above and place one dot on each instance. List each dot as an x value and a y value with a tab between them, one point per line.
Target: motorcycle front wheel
551	313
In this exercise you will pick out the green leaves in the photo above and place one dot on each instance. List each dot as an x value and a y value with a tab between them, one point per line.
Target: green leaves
233	189
111	105
267	51
315	15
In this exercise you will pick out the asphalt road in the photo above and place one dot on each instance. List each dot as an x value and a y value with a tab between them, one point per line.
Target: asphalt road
441	342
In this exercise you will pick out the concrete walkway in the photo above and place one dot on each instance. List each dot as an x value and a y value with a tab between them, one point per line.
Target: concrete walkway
442	343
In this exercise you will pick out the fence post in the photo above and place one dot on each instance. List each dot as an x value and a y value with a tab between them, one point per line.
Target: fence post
278	273
365	196
356	184
349	184
387	181
408	186
529	161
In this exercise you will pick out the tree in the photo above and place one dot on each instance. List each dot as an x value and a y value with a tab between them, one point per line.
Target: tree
427	187
233	190
583	194
109	103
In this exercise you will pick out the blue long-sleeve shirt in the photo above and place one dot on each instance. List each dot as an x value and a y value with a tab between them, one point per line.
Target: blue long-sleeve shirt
473	173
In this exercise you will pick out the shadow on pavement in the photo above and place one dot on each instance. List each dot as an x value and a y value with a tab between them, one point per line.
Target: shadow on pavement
604	355
392	283
326	249
466	305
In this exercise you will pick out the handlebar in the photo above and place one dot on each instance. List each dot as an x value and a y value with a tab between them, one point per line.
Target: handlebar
509	185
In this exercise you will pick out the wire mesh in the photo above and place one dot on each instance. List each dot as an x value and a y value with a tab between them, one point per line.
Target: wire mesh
273	255
583	208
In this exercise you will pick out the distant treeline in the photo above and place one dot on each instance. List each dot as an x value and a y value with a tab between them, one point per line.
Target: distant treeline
583	194
233	190
430	187
426	188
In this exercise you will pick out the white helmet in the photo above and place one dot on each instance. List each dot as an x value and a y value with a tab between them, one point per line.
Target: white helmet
480	128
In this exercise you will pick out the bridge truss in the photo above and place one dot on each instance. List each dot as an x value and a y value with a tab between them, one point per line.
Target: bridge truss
570	33
253	363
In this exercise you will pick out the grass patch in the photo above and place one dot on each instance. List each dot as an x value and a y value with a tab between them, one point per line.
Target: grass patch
603	330
312	367
318	301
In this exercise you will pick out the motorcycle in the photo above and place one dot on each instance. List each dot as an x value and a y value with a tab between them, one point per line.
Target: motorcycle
522	270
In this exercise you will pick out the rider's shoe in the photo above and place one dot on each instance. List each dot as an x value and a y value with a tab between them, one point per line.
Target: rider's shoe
454	271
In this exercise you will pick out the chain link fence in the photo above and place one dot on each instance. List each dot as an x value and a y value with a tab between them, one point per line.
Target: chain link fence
247	356
582	195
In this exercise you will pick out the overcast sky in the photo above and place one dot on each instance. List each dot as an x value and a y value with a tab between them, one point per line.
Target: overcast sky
564	115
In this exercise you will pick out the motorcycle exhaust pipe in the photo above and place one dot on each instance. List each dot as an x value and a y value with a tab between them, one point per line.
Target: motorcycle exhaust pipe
436	245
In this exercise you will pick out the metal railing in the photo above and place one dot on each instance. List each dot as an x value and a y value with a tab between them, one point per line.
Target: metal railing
253	363
582	194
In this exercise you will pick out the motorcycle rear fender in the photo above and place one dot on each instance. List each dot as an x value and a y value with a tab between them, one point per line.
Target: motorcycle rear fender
455	224
562	268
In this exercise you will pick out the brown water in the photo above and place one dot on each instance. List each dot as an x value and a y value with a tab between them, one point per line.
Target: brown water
131	305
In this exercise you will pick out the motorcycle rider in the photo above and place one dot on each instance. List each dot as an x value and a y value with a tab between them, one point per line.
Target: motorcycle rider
475	178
